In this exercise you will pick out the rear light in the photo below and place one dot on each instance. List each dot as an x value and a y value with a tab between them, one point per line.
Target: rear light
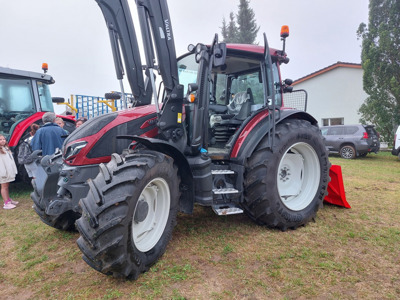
365	135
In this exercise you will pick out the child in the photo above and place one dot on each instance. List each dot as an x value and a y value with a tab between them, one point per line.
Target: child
80	121
8	170
59	121
25	151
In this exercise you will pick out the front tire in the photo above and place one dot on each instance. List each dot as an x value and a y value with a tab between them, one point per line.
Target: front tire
285	187
129	213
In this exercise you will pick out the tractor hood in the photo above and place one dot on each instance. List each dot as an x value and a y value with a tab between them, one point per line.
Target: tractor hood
122	34
97	139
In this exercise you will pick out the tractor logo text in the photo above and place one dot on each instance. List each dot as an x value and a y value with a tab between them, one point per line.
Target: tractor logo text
168	29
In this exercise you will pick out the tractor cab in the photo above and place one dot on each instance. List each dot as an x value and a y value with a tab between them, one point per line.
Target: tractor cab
236	91
22	94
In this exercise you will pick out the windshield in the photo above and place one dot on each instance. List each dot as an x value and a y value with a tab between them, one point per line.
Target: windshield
239	75
16	102
187	71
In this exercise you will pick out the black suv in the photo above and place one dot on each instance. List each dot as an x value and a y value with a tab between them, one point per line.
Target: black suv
351	140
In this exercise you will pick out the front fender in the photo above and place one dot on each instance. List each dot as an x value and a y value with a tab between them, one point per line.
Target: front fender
58	186
46	178
184	171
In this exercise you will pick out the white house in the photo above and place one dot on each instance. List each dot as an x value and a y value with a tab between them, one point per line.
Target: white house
335	93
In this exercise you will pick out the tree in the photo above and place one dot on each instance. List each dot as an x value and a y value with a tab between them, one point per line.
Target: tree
245	30
247	26
380	60
230	31
224	30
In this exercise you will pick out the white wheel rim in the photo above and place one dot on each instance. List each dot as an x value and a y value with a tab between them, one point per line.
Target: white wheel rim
298	176
151	214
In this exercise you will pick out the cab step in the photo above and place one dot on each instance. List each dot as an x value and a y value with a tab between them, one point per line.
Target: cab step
225	191
226	209
222	172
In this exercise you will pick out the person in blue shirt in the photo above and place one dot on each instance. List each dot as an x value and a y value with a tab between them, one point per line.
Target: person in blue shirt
49	137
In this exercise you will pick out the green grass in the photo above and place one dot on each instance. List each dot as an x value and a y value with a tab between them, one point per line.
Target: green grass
345	254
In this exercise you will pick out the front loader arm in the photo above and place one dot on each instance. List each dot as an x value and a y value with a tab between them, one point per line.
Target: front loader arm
122	33
154	17
156	13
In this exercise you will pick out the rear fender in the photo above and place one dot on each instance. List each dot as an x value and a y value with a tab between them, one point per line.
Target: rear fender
20	128
253	131
348	144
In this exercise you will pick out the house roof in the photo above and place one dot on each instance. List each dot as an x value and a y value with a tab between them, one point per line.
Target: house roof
339	64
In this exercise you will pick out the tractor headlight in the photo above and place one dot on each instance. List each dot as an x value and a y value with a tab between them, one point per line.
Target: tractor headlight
74	149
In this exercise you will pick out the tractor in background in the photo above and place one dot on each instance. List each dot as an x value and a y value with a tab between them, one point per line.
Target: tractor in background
24	98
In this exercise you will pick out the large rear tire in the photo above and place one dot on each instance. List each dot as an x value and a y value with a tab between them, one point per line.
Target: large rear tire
285	187
129	213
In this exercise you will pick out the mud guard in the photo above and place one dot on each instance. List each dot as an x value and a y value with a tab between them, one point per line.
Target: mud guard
336	194
46	178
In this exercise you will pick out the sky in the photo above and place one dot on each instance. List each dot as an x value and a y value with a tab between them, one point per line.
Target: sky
71	36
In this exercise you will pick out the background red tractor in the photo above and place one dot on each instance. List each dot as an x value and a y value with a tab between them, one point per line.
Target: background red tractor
24	98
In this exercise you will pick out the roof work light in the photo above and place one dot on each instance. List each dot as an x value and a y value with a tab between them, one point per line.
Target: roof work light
45	67
284	31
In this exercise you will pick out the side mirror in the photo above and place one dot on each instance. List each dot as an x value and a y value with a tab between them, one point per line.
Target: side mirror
57	100
288	81
219	54
287	88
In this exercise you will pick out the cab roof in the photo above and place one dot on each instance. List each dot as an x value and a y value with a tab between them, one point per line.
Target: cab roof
26	74
254	49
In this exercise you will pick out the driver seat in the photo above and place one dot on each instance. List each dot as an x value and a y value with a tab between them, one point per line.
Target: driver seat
241	104
225	125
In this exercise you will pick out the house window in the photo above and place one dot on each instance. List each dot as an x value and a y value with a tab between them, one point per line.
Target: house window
332	121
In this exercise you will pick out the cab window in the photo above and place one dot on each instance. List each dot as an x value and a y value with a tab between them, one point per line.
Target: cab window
45	96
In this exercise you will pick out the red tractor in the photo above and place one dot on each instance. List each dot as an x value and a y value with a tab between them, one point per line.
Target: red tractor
24	98
221	137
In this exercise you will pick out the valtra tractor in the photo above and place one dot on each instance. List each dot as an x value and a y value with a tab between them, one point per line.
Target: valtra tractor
24	98
217	135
